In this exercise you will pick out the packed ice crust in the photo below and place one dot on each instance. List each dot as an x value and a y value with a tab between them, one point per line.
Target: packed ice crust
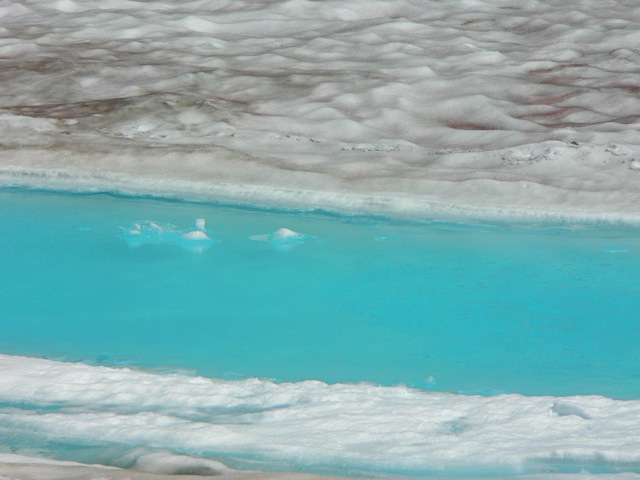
307	426
420	108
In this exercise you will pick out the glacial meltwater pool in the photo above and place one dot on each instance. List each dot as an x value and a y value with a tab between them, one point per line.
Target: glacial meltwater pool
533	310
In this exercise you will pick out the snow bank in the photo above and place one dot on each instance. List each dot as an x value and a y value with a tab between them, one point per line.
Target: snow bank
410	108
309	425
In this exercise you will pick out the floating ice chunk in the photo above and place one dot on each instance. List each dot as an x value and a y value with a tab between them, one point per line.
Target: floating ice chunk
199	233
283	237
145	232
151	232
196	235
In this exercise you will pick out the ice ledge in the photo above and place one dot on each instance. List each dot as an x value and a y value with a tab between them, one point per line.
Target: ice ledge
15	467
18	467
546	181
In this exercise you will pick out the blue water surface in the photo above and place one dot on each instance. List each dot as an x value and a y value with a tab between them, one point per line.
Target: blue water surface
472	308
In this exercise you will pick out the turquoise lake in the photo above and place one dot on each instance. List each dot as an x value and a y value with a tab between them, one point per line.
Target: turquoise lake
546	309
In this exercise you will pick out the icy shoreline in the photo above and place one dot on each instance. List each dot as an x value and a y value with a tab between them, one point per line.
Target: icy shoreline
305	425
548	181
491	109
14	467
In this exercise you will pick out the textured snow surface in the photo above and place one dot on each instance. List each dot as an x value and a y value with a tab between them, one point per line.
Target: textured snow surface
311	424
478	107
